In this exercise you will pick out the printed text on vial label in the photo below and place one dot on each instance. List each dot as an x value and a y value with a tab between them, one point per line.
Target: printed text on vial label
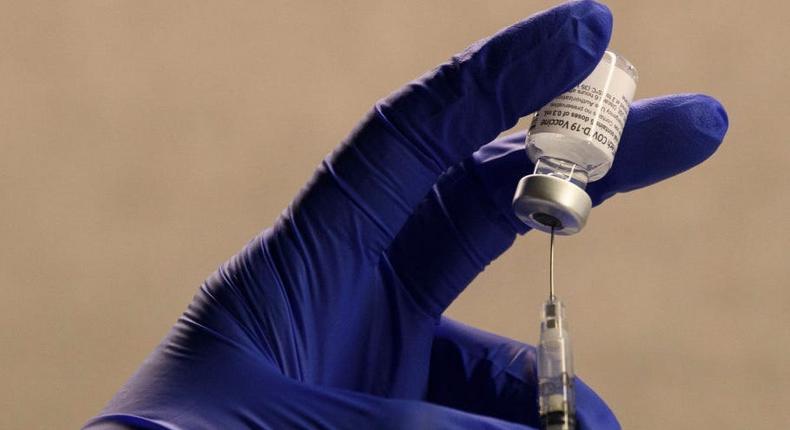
589	112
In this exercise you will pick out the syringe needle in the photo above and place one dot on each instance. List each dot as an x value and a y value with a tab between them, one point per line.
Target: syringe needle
551	266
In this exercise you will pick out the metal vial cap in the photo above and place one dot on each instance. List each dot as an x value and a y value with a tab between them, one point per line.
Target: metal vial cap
543	202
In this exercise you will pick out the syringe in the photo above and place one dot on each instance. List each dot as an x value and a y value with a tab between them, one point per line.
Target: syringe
556	397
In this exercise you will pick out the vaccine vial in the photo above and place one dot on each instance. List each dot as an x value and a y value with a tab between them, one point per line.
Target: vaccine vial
572	141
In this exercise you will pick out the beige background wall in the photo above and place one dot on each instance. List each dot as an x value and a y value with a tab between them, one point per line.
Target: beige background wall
144	142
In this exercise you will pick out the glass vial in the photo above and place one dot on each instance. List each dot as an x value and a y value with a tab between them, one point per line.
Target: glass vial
572	141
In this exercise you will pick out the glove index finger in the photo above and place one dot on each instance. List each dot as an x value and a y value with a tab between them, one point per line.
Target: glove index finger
367	188
465	103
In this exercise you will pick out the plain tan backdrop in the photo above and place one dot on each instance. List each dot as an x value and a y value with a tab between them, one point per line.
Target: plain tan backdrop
145	142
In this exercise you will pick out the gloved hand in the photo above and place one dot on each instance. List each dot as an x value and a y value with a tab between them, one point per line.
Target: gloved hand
332	318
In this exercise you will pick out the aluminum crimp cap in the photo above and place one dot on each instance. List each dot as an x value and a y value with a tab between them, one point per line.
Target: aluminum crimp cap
543	201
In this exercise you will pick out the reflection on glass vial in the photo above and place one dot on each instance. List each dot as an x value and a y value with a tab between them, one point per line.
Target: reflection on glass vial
575	136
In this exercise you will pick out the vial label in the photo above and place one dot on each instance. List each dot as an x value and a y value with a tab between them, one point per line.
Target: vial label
593	111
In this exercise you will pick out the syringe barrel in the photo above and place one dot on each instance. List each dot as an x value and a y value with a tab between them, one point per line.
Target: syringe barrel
556	395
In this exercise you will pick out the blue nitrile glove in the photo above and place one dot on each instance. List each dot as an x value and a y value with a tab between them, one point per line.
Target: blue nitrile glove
332	317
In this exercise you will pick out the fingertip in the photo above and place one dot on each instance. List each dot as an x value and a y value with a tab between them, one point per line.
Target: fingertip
593	29
587	26
706	121
704	113
598	17
709	116
546	54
